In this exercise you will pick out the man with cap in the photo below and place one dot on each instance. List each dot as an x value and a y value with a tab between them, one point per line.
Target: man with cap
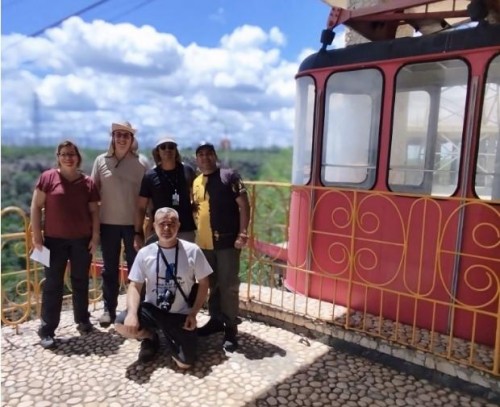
222	217
117	174
166	185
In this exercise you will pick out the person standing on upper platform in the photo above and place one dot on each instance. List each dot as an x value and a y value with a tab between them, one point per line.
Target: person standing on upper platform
222	217
166	185
117	174
70	225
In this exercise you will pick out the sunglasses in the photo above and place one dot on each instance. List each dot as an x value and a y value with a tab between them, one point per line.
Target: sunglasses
125	135
167	146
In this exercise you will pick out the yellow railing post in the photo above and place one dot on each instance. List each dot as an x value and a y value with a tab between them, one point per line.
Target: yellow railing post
350	312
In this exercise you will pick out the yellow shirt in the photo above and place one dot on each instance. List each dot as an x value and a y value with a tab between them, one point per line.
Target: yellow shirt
202	217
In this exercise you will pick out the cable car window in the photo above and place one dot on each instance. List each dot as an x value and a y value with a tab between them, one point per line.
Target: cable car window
487	183
304	121
351	129
427	130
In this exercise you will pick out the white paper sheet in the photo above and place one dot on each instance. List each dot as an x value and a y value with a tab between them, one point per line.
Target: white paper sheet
41	256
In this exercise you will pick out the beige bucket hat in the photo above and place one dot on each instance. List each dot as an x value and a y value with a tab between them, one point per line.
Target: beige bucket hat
123	126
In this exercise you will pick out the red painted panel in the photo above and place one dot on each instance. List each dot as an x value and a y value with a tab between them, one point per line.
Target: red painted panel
406	250
478	285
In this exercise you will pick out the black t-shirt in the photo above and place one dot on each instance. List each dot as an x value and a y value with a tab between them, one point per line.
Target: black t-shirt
161	186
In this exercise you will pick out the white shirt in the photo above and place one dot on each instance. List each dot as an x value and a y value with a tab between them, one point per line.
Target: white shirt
192	266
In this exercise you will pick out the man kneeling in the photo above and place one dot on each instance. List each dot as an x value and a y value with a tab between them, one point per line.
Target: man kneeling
169	268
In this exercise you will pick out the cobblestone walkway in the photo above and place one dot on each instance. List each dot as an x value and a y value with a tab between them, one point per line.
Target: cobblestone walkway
273	367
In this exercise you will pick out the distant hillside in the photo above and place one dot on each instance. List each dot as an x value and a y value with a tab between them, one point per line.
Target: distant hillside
21	167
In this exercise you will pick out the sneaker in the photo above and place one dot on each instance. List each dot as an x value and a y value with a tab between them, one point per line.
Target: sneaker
211	327
149	348
48	342
106	319
180	365
84	327
230	343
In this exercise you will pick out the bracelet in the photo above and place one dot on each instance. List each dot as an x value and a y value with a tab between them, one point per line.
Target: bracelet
243	235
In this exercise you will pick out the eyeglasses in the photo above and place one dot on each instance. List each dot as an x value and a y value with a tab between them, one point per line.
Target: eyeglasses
167	146
119	134
66	155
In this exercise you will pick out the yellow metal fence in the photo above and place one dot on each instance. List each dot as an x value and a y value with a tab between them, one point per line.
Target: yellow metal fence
270	273
334	275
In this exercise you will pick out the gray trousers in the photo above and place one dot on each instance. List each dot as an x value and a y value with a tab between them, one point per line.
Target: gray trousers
223	302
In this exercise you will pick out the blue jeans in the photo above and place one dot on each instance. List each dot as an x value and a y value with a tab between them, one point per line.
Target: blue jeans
111	244
62	250
223	301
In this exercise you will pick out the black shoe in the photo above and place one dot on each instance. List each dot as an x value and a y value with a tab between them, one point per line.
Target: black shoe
84	328
230	343
149	348
211	327
106	319
179	363
48	342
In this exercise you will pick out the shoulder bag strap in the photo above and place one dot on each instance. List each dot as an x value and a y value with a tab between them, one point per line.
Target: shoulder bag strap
169	268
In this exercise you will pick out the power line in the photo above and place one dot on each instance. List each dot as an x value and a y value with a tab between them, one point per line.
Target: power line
78	13
42	30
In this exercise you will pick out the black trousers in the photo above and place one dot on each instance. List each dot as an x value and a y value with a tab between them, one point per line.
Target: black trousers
183	343
111	243
62	250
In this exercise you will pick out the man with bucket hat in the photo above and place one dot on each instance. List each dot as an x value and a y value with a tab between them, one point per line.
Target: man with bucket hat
117	174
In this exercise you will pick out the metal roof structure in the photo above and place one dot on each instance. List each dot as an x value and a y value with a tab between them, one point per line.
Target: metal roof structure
386	20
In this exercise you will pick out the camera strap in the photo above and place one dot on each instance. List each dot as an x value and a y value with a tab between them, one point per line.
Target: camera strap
169	270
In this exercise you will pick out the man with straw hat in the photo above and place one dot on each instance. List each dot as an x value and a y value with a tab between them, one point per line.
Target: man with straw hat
117	174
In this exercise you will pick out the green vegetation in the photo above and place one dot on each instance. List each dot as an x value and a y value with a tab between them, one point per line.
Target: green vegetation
21	167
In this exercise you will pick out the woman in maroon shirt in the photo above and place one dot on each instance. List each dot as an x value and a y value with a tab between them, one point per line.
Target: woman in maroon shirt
70	232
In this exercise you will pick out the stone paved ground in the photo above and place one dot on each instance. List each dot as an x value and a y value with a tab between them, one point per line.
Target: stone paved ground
273	367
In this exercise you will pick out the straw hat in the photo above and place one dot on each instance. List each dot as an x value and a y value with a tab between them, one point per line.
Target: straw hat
123	126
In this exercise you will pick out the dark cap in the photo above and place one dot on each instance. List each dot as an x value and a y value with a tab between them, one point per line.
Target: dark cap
205	146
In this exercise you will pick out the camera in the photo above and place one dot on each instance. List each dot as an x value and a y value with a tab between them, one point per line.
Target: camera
166	300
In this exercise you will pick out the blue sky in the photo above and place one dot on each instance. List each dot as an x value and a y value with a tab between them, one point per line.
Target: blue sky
195	69
201	21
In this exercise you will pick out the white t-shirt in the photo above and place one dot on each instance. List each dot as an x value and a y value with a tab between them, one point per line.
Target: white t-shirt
191	266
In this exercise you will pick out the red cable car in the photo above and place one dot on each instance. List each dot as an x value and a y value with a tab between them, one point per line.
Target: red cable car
395	206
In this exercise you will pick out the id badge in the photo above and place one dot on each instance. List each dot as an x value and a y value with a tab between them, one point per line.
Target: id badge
175	199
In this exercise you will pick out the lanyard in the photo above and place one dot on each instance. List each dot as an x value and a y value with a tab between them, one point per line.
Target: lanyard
173	273
166	179
169	270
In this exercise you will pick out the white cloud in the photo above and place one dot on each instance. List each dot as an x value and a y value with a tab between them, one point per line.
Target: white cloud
244	37
119	49
276	36
87	75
